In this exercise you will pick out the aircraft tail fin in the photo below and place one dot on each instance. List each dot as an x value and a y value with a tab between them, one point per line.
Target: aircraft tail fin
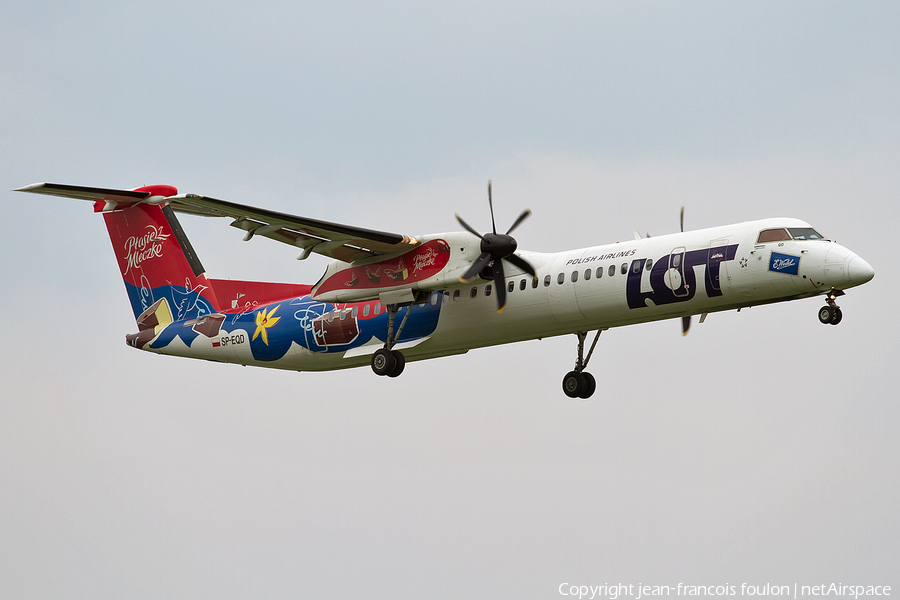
163	277
157	262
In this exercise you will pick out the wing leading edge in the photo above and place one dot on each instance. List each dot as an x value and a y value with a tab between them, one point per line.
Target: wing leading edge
340	242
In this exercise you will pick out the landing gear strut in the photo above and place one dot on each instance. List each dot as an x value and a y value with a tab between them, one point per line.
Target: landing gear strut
387	361
831	314
579	383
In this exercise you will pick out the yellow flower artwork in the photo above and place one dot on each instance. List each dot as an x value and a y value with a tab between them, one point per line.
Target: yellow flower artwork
264	320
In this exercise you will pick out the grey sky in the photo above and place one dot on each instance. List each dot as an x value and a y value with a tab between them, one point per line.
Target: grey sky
761	448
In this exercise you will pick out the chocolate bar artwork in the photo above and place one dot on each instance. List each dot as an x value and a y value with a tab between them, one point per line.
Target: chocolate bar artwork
150	323
400	274
208	325
375	278
341	329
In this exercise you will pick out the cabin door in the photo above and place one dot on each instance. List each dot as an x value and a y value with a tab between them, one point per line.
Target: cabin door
675	273
716	275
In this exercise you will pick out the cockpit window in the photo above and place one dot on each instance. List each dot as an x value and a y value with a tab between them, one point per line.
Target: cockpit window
773	235
791	233
805	233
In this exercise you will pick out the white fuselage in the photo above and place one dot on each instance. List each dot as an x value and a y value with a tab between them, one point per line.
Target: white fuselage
642	280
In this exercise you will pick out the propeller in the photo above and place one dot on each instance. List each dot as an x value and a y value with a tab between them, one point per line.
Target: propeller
495	248
685	321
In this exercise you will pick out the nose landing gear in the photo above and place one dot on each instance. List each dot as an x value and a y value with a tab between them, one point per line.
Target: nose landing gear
831	314
579	383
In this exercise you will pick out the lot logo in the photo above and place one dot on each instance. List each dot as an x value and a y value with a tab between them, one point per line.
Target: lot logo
674	278
784	263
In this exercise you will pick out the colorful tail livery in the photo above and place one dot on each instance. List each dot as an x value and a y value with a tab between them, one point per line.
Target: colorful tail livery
158	263
387	298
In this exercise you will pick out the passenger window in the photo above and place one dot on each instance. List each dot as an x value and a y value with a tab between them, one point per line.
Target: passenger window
772	235
624	268
612	270
378	308
599	272
676	261
587	275
434	298
473	293
455	295
534	282
636	266
547	281
446	297
522	284
487	290
561	279
574	276
649	264
354	312
511	286
330	316
366	310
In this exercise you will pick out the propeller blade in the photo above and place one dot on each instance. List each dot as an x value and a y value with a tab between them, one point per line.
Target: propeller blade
682	219
525	214
495	248
480	263
500	285
522	264
685	325
491	205
469	228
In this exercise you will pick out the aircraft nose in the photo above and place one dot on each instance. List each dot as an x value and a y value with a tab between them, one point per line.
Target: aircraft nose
859	271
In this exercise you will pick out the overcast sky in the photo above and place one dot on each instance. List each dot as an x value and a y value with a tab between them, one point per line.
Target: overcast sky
761	448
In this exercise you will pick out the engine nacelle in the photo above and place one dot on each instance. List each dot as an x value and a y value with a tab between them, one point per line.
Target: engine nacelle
435	264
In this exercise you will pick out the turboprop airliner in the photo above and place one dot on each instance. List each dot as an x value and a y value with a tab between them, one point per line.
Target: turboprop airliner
389	298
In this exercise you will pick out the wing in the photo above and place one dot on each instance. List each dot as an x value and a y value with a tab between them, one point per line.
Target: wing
341	242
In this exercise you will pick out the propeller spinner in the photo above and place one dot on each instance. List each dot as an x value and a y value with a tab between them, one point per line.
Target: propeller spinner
495	248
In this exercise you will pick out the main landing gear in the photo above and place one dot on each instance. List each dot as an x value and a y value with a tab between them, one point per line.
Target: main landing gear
579	383
831	314
387	361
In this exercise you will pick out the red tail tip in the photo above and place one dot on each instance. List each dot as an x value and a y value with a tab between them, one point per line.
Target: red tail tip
159	190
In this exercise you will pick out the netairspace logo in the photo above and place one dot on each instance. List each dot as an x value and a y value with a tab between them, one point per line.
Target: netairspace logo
640	591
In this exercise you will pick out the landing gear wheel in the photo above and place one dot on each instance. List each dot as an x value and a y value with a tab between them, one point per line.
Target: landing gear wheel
837	316
399	363
590	385
384	362
573	384
826	315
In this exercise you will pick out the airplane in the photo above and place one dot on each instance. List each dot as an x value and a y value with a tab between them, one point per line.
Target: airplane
388	298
